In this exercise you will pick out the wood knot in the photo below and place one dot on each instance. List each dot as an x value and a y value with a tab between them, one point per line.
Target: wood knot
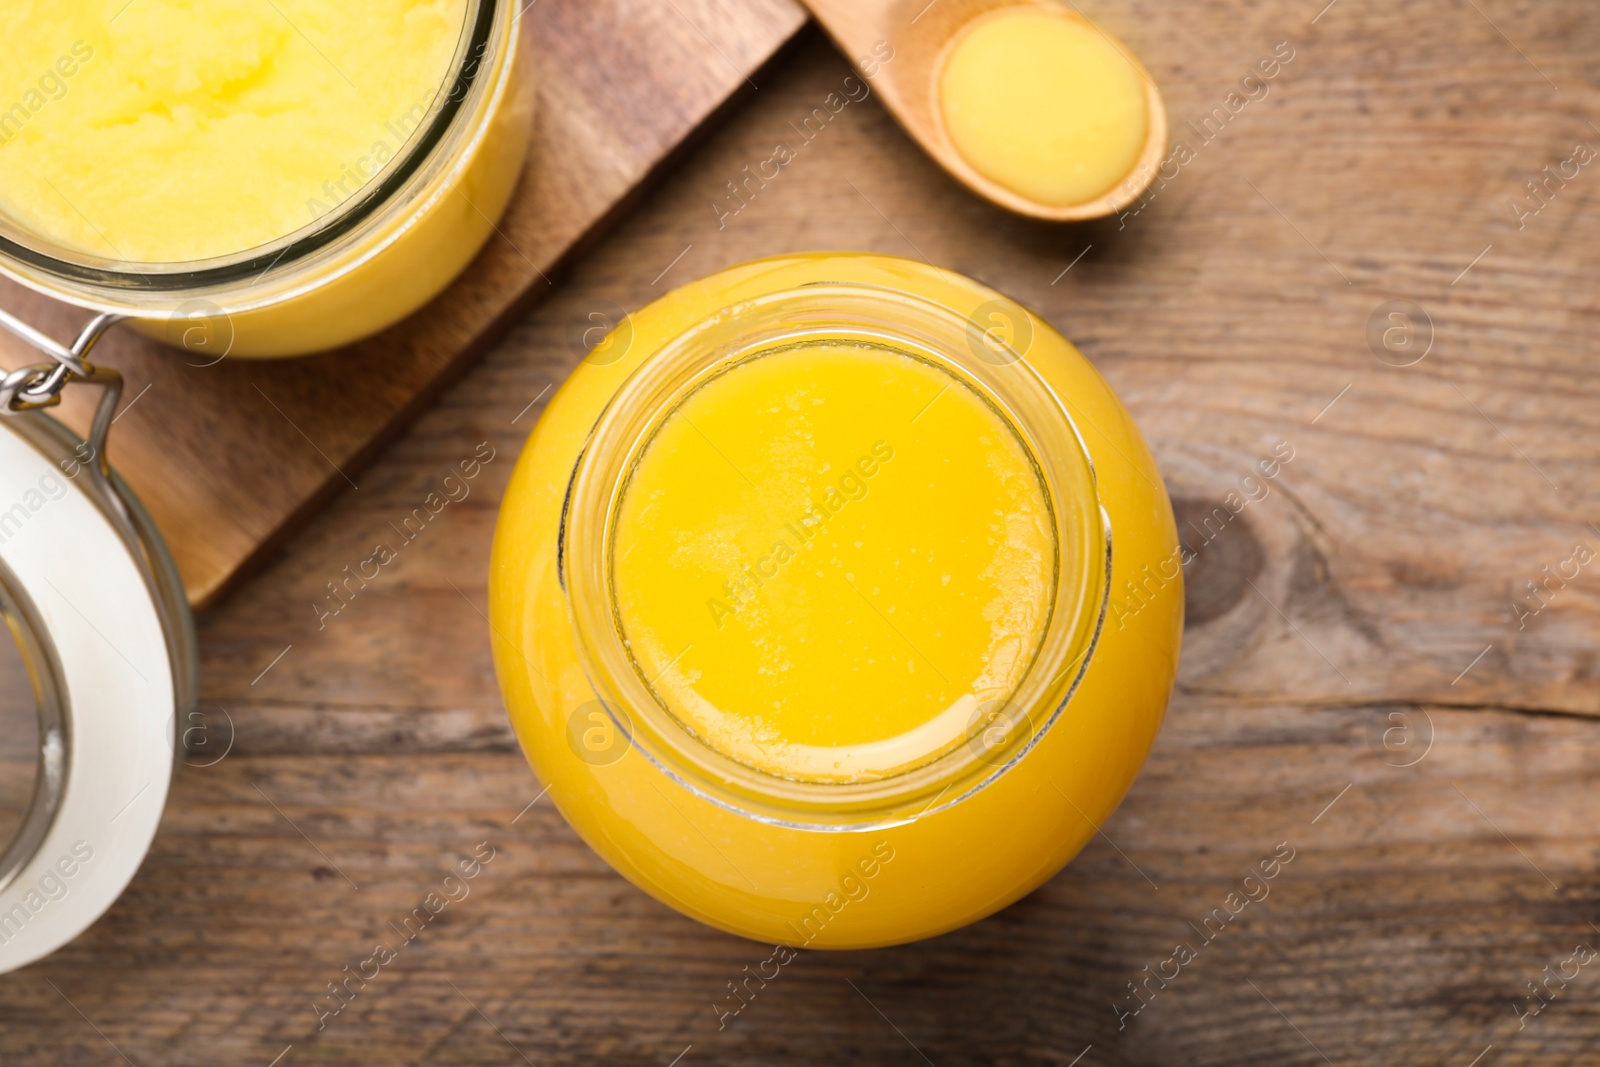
1226	558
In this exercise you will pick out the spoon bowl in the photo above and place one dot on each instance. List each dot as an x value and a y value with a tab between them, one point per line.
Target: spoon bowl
922	36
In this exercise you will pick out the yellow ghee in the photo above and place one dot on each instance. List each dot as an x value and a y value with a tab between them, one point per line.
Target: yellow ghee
161	131
865	586
1044	103
927	545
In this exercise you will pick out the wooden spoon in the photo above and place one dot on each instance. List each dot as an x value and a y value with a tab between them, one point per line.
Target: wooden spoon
922	35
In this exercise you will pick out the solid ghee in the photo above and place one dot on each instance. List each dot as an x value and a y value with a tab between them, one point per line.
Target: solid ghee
865	587
764	738
1043	103
162	131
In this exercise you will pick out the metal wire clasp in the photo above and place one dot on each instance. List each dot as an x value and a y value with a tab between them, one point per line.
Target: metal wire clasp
39	385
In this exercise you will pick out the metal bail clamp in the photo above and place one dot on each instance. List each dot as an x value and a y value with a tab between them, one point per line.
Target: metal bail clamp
36	386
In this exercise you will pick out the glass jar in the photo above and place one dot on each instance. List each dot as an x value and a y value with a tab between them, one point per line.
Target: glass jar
103	659
844	860
383	252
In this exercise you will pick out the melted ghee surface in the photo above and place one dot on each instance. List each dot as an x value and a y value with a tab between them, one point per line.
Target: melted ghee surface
829	558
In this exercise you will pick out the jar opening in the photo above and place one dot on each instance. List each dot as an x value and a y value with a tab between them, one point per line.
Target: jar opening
955	598
809	579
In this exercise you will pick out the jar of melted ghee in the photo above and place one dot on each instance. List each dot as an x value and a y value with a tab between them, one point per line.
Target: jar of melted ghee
837	600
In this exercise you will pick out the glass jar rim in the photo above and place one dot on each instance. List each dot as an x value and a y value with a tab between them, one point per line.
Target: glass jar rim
95	281
924	329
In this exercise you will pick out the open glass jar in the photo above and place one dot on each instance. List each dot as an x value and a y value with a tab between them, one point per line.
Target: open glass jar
98	667
388	230
836	599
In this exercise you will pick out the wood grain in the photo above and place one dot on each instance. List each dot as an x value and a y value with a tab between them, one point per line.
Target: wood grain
230	457
1383	562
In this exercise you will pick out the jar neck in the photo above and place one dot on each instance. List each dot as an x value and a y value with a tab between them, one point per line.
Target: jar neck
987	353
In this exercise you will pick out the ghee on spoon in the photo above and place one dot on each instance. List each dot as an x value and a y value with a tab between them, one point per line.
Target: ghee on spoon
1026	102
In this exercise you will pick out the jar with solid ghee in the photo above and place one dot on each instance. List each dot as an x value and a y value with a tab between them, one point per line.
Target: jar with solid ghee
837	600
279	177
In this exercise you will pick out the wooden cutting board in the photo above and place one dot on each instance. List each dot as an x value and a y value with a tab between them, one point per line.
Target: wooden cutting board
230	458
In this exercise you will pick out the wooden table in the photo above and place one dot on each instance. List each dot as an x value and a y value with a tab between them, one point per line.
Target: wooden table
1356	685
